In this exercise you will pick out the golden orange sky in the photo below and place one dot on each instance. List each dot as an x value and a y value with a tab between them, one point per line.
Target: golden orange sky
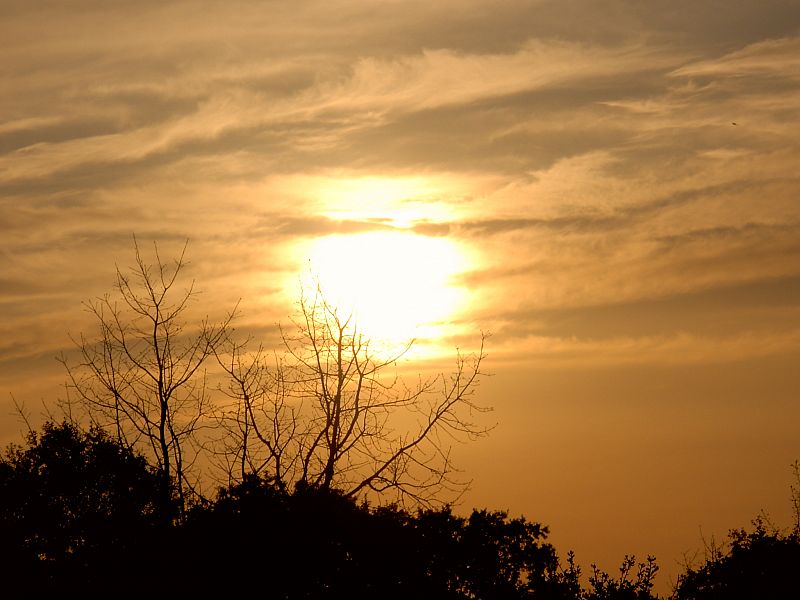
610	188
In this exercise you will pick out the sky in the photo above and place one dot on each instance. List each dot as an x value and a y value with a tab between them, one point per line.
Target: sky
609	188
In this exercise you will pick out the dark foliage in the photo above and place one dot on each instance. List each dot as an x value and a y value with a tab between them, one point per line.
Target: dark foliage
486	555
316	543
81	512
76	508
762	563
310	544
626	587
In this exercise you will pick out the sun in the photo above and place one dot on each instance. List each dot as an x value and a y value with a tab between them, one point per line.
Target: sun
398	285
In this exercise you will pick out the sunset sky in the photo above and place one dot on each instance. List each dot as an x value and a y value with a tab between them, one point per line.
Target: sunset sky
610	188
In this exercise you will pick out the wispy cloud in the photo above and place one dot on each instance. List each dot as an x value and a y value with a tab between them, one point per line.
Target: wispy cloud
675	349
591	160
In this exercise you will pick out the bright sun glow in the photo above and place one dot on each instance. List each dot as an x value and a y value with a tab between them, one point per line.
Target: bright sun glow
398	285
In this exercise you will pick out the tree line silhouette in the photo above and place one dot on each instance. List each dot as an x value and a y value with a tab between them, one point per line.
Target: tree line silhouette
81	512
334	479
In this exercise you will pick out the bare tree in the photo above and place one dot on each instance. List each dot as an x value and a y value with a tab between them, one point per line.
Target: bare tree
259	427
327	412
330	415
142	377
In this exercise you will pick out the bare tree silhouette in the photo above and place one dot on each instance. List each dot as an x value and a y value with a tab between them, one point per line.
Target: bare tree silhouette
329	414
142	377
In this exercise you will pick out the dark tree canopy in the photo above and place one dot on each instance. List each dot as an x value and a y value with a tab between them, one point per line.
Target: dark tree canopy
761	563
318	543
77	506
79	511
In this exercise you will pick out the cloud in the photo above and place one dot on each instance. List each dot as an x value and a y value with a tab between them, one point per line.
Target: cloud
276	226
585	150
674	349
764	59
203	112
750	304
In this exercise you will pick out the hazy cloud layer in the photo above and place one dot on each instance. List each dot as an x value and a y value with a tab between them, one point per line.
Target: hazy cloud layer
619	152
